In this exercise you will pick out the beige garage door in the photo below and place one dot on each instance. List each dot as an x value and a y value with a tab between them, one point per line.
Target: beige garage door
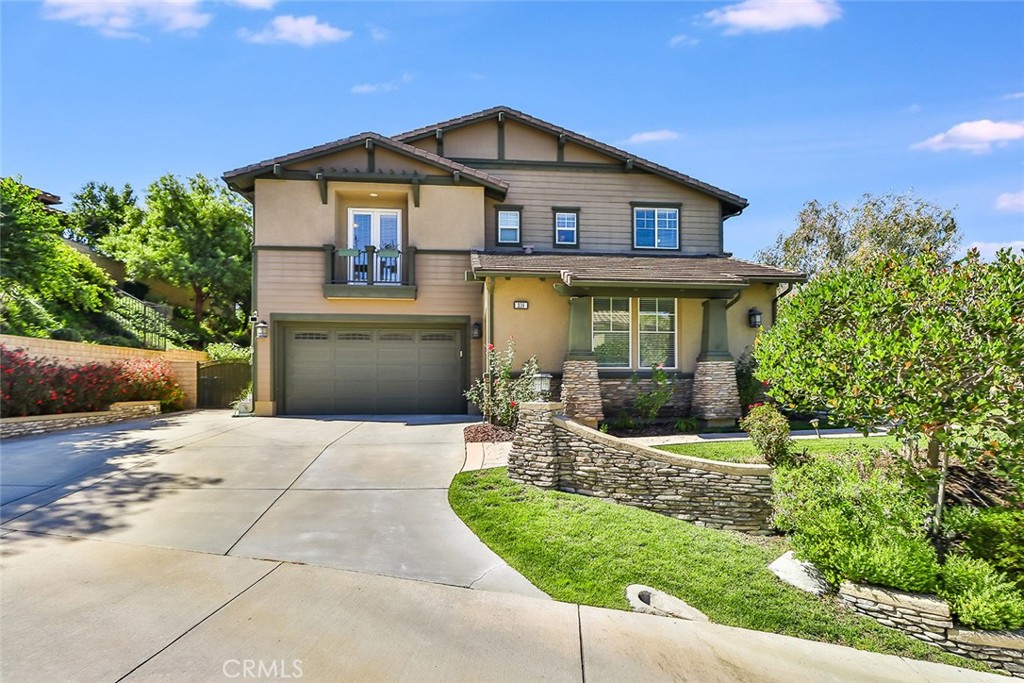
386	371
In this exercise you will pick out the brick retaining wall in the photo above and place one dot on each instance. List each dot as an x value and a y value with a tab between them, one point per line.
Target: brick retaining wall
928	618
11	427
184	363
551	451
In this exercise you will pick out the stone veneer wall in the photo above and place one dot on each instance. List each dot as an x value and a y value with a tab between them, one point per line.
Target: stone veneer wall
43	424
715	395
184	363
928	618
551	451
619	393
581	391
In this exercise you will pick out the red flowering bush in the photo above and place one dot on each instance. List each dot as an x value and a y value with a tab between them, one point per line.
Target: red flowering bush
151	380
43	386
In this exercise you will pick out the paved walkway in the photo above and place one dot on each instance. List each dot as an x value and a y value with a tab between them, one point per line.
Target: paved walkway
204	548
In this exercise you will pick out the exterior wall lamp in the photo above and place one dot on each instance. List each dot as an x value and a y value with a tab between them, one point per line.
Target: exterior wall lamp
476	331
754	318
262	329
542	384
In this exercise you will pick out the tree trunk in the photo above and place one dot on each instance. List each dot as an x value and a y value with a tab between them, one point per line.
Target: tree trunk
197	307
940	495
933	454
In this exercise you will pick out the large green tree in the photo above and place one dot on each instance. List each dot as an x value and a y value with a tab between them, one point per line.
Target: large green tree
935	349
97	209
46	284
832	236
194	234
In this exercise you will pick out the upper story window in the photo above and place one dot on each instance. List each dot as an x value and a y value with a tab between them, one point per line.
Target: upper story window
655	227
508	222
611	331
566	227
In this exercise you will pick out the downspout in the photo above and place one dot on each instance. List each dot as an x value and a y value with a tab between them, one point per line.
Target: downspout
775	301
252	302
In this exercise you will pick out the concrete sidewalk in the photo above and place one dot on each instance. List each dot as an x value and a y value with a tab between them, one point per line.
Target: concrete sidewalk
88	610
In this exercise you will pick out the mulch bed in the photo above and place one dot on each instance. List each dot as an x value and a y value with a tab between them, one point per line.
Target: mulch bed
485	432
649	430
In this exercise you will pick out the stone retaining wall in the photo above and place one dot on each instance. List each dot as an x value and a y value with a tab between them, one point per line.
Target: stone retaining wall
928	618
11	427
184	363
551	451
619	393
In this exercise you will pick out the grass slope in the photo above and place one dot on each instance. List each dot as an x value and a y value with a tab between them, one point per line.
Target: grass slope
744	451
585	550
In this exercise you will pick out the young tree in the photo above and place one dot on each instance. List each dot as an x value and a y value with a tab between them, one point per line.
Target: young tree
934	349
194	234
832	236
97	209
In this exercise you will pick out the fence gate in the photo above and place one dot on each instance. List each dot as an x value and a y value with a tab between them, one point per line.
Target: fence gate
221	381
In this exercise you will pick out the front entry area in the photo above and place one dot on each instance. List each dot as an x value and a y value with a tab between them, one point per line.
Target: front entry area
348	369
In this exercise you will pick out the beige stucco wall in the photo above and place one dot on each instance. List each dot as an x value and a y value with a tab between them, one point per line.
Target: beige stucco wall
526	143
479	141
543	329
290	212
292	282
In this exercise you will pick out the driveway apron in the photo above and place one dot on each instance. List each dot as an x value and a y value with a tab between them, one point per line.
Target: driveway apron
367	494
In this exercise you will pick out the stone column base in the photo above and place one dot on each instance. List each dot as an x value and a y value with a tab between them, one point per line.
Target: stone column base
716	398
581	391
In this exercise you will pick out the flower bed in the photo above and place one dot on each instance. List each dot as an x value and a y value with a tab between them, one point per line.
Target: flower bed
43	386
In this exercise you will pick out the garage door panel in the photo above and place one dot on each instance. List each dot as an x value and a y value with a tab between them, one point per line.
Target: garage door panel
334	370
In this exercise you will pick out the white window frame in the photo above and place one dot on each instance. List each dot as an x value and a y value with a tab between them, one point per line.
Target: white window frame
361	261
675	333
629	331
657	210
575	228
519	226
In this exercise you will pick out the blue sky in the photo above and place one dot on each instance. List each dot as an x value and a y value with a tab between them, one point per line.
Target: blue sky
780	102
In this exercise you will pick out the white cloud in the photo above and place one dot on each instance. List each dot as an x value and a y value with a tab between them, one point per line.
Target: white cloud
124	19
988	249
1014	96
1011	202
774	15
379	34
975	136
304	31
652	136
681	39
388	86
255	4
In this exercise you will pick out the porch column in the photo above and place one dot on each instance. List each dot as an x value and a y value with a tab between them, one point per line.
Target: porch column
716	398
581	387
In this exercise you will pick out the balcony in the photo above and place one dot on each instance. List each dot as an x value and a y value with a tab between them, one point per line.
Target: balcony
370	273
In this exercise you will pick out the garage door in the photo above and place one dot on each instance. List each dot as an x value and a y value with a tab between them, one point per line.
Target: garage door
339	371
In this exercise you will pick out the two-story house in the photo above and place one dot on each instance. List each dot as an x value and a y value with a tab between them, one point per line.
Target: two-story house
384	266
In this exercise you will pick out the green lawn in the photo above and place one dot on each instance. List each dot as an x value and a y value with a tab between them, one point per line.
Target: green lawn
586	550
743	451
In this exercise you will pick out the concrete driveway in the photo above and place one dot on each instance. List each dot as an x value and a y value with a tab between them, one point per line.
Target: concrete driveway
204	548
365	494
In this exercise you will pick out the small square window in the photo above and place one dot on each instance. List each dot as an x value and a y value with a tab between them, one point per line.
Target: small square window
508	227
566	233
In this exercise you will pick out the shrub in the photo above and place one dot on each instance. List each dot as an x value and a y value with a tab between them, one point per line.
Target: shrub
498	394
150	380
769	430
994	534
750	388
229	351
857	521
648	404
980	596
687	425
